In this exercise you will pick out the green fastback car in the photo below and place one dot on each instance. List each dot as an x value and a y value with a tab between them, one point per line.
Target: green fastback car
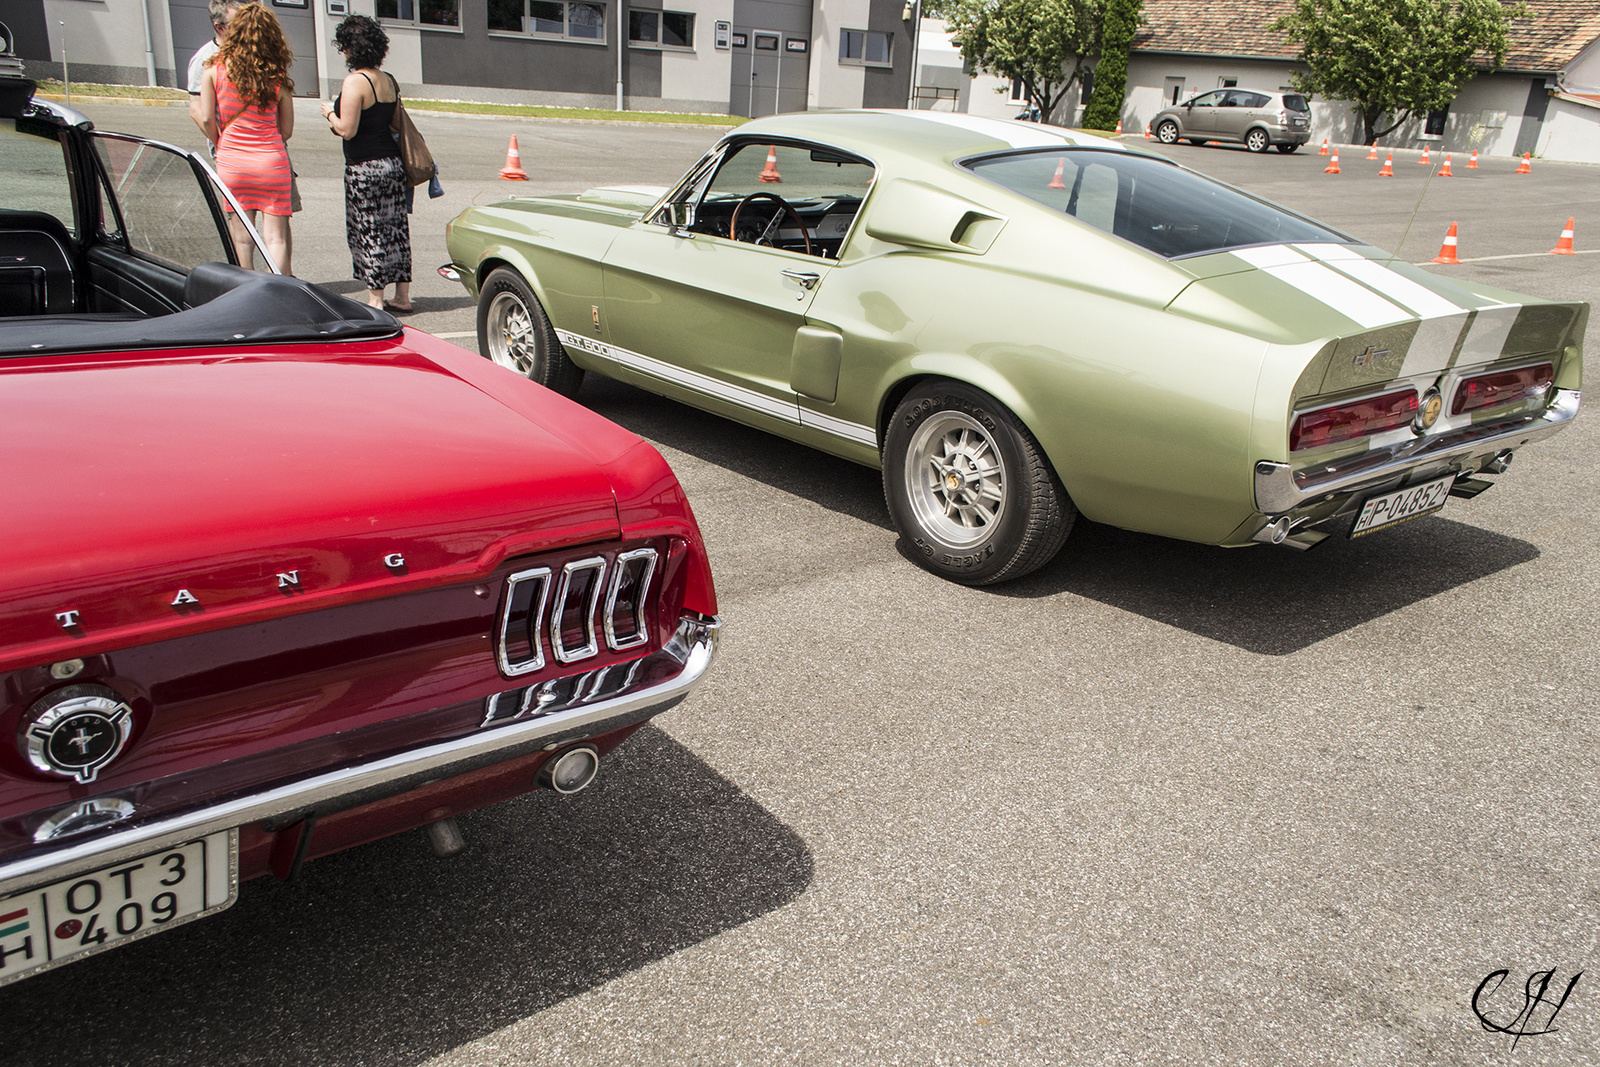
1018	324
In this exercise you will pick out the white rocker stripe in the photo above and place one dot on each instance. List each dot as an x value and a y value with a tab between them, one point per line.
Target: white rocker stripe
851	431
701	383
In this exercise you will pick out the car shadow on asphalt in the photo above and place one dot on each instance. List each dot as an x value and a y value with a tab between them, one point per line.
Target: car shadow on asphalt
387	955
836	484
1272	601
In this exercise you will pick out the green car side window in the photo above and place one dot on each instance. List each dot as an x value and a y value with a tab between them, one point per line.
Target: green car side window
1154	204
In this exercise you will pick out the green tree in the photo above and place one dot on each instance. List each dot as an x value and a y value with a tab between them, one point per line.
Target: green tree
1111	73
1042	43
1394	59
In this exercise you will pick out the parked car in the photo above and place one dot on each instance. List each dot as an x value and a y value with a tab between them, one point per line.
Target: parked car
277	576
1020	323
1254	117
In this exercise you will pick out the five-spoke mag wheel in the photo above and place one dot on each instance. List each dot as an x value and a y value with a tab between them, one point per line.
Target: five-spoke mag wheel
968	487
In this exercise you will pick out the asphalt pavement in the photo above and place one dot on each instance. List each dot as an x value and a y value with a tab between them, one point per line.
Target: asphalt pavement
1156	803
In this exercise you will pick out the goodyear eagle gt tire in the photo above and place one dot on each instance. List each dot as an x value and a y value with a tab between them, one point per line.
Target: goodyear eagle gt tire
968	488
514	332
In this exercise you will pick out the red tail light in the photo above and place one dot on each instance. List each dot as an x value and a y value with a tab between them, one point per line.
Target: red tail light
1344	422
1502	387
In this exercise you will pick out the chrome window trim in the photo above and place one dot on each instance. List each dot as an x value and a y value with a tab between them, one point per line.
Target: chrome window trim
641	603
502	657
559	604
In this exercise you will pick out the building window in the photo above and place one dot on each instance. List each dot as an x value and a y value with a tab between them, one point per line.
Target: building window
555	19
662	29
865	48
421	12
1019	92
1435	124
766	42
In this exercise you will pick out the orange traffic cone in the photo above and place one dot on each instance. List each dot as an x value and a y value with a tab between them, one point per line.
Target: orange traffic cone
1564	246
1472	164
1524	167
1447	251
1388	167
1372	153
1147	132
1056	182
1333	167
1324	150
1444	171
1119	128
512	171
769	173
1424	161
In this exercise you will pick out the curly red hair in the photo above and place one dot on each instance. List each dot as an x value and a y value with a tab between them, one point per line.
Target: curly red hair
256	54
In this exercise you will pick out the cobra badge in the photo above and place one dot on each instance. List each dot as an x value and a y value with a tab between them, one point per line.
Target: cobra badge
73	732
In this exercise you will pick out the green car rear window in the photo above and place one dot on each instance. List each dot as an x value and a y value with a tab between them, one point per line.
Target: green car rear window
1158	206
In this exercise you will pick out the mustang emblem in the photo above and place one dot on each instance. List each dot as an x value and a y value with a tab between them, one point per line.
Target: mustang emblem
75	731
1373	354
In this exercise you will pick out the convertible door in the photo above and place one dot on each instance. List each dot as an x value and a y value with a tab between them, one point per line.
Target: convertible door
715	319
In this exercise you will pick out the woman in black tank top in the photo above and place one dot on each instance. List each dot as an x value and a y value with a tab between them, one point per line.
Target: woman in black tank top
374	179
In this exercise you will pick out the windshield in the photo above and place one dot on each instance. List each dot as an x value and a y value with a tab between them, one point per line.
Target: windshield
1156	205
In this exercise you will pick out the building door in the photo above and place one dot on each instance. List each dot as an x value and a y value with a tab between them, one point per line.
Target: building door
771	68
299	25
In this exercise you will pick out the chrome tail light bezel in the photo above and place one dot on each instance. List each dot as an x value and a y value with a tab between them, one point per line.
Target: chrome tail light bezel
535	631
641	600
558	607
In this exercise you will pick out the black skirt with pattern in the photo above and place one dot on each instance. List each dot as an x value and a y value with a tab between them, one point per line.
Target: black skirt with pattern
375	222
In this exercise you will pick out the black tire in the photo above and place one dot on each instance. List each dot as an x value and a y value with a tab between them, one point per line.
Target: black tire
1198	142
1287	148
1167	132
1257	140
942	518
514	332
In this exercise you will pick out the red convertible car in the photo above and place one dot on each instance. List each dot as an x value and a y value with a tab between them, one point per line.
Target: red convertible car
277	576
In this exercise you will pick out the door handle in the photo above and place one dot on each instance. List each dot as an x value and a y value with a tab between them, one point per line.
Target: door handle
805	278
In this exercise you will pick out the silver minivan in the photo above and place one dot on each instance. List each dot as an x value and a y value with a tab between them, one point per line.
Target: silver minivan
1253	116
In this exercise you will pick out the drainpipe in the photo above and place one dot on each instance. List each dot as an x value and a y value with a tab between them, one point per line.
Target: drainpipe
149	52
622	44
915	7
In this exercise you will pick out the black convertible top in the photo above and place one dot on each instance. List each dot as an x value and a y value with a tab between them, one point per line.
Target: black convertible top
225	305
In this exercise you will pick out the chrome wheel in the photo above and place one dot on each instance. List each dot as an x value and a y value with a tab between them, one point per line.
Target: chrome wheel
1256	140
1167	132
513	342
957	478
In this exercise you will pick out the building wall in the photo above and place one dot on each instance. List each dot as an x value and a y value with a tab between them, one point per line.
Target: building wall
103	40
1570	131
698	80
1583	73
834	84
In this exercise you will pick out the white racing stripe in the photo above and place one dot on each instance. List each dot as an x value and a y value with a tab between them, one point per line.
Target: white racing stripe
1433	345
1487	335
1398	288
852	431
1015	134
1355	302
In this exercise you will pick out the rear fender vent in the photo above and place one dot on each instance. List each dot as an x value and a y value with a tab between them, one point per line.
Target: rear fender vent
626	599
572	633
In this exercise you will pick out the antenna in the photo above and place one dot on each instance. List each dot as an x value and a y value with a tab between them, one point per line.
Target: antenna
1396	253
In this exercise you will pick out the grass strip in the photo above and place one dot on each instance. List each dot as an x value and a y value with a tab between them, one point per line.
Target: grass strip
531	111
126	92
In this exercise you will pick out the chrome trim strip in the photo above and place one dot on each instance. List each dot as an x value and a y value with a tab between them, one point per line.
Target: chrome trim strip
1279	488
641	633
591	647
787	410
536	631
693	645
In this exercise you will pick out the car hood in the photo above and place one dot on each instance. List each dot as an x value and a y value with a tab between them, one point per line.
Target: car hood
168	492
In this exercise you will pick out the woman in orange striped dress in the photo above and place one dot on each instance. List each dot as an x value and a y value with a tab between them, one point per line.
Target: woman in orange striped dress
247	111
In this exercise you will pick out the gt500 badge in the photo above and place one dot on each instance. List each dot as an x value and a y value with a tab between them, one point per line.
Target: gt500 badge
75	731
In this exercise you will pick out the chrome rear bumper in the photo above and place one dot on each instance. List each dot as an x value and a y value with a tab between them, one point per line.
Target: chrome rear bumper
545	716
1279	488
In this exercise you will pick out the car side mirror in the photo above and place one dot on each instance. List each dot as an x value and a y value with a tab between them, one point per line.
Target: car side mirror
680	217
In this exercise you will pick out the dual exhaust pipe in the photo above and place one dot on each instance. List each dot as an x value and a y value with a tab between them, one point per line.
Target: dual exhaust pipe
568	771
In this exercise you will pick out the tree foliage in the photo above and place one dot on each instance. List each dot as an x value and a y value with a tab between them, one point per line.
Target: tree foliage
1044	43
1394	59
1111	73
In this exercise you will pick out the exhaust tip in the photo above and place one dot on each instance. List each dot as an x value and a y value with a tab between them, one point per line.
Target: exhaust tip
1498	464
444	837
570	770
1273	532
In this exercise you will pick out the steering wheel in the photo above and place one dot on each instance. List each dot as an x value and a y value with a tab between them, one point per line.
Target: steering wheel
733	223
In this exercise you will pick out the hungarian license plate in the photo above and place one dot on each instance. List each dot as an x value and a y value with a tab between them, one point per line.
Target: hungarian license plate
91	912
1402	505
